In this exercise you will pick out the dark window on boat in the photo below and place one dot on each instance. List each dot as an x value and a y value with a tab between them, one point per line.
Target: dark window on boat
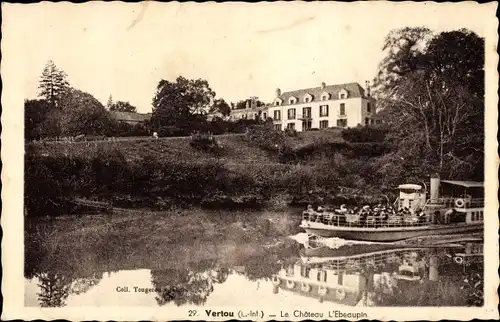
459	217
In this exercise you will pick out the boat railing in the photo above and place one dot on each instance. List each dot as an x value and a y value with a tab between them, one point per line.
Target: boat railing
369	221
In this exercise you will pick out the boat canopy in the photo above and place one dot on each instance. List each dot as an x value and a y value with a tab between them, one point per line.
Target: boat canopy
410	186
466	184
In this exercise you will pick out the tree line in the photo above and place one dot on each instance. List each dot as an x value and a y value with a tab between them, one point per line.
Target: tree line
179	108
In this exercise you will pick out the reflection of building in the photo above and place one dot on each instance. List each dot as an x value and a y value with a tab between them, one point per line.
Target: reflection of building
321	281
355	279
343	105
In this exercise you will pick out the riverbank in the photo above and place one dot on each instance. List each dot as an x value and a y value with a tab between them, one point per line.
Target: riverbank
248	171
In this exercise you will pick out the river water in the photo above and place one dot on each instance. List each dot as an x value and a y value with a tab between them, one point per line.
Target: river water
207	258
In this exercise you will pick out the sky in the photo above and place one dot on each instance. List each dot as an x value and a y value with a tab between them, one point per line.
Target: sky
242	49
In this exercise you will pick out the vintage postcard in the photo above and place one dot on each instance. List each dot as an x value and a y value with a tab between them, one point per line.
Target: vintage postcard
249	161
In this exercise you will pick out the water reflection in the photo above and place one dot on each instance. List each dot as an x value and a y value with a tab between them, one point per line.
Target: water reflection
386	275
114	269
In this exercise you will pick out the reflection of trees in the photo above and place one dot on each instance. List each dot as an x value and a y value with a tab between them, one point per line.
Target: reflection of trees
185	286
57	269
82	285
54	289
270	260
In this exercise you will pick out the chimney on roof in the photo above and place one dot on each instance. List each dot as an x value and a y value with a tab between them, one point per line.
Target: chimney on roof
278	92
323	85
368	94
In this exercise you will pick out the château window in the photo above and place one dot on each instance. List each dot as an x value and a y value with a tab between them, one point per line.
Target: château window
368	107
291	114
342	96
342	109
277	103
324	98
323	124
306	112
277	127
277	115
291	101
323	110
290	126
307	99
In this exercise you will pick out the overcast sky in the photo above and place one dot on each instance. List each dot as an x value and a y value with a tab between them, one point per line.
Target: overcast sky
241	49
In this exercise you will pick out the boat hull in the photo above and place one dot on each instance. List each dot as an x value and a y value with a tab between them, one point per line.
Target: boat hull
390	233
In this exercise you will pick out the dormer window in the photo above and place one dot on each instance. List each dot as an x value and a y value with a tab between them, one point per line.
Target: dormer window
278	101
343	94
308	98
325	96
292	100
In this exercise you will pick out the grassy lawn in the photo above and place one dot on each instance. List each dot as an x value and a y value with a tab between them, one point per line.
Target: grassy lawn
236	149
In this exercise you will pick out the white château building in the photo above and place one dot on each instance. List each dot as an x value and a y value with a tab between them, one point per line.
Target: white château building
344	105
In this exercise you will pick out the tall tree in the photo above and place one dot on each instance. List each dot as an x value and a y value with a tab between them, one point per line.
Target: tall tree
120	106
435	103
82	114
220	106
53	83
109	104
404	49
180	102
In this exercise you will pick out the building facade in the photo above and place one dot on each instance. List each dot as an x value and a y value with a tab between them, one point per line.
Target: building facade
344	105
252	111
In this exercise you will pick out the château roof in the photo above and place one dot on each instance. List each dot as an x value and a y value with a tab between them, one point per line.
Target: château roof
353	90
129	116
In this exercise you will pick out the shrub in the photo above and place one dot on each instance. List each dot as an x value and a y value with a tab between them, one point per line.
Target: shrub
291	132
205	142
264	136
375	133
166	131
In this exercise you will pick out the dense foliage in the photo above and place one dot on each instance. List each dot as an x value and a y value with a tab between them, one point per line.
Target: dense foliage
182	102
120	106
431	89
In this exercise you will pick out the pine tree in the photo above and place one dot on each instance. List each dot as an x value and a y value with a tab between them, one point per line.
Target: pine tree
52	83
109	104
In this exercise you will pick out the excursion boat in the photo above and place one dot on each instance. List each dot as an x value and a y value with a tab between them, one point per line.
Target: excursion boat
453	207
